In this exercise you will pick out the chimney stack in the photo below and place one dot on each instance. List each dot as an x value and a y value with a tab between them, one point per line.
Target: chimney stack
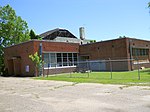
82	33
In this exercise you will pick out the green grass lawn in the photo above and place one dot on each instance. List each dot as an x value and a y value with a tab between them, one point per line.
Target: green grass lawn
127	78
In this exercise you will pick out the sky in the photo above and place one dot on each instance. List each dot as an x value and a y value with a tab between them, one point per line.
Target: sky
102	19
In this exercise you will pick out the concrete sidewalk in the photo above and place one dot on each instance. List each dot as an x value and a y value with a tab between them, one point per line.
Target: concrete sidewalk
28	95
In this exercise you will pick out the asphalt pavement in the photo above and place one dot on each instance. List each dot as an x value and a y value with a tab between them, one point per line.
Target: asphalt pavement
29	95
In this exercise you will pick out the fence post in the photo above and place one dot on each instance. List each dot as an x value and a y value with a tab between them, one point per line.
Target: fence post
110	64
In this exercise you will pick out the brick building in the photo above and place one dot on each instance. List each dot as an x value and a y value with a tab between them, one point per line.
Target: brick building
123	49
56	53
62	56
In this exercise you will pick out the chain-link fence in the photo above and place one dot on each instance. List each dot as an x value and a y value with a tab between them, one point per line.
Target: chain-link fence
99	66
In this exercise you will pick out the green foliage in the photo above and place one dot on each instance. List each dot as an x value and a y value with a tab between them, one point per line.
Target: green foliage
148	4
127	78
38	37
34	36
92	41
122	37
13	30
37	60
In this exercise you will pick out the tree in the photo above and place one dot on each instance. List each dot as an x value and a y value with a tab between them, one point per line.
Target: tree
38	62
38	37
148	4
34	36
13	30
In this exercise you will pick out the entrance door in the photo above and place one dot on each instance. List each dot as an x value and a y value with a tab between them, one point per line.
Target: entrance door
17	66
14	67
10	67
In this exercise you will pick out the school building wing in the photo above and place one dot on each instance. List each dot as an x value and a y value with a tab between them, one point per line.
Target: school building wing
63	55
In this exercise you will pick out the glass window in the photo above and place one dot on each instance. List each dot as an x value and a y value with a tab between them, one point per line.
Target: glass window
70	59
144	52
59	55
147	51
75	58
46	59
65	63
53	59
139	52
59	60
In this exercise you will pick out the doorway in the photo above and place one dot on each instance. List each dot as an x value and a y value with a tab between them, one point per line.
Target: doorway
14	66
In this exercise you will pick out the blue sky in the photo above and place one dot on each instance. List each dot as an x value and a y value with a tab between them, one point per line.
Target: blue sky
102	19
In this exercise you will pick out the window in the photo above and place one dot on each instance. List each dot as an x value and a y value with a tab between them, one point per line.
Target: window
65	59
75	58
60	59
140	52
70	59
46	60
52	60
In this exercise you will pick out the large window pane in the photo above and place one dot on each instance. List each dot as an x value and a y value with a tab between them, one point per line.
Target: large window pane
70	59
59	60
46	59
139	52
65	59
53	59
75	58
69	54
59	55
147	51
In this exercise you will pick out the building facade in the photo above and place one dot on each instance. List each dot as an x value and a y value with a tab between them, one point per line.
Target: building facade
65	56
58	57
124	53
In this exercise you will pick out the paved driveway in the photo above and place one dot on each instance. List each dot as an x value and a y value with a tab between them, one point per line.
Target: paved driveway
28	95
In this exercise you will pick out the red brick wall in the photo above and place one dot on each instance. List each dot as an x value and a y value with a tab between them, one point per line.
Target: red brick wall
56	46
137	43
114	49
25	49
22	50
59	70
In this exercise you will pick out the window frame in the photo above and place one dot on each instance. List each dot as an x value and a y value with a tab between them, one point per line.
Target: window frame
60	64
140	51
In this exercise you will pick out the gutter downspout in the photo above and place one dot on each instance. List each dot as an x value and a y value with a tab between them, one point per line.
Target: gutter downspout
130	51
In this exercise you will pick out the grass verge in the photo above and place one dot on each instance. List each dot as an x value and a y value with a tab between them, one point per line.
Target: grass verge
125	78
